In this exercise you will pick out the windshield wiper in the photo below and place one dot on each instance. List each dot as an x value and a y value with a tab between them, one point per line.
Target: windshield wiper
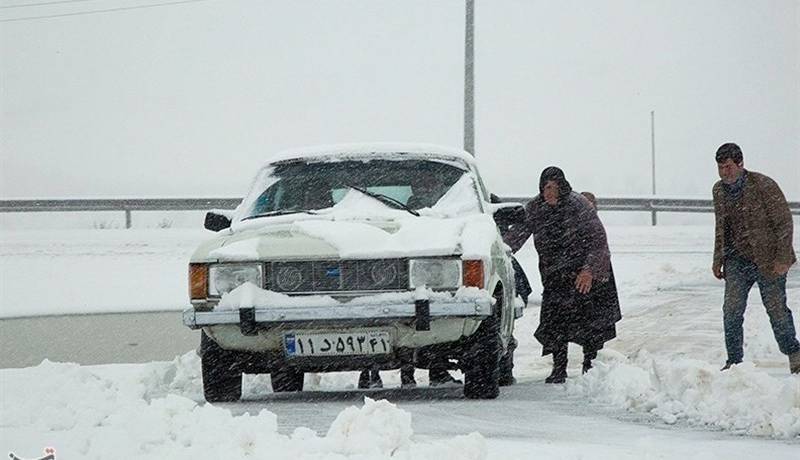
383	199
280	212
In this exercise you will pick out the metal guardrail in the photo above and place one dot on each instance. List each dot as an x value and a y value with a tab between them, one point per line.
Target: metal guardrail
126	205
119	204
653	205
649	204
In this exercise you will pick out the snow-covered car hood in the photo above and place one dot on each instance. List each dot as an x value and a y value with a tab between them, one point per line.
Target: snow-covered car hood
313	237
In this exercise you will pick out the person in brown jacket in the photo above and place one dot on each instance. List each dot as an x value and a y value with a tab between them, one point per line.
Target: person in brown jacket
753	244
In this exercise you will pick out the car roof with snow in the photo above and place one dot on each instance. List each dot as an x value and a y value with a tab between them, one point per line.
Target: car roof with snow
338	152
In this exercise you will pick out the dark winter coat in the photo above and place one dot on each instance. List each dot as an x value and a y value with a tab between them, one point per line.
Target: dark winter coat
569	237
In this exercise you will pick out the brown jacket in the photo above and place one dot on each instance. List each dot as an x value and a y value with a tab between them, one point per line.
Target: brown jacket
761	222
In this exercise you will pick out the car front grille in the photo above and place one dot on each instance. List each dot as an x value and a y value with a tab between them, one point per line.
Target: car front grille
337	276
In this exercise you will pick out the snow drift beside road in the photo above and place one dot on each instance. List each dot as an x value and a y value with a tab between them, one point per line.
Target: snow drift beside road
743	400
152	411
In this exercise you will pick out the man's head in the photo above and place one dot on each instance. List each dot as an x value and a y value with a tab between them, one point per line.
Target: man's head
730	162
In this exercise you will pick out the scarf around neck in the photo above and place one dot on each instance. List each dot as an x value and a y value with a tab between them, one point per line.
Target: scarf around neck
736	189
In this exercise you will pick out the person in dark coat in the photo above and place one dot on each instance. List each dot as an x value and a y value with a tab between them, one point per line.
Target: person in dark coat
580	302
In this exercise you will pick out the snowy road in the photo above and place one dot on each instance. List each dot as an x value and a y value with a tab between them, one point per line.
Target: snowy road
95	338
530	412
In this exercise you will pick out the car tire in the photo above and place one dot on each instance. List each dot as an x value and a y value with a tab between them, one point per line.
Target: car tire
222	380
507	365
286	379
482	370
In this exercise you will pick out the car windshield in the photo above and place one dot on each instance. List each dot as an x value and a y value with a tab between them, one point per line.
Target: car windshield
301	186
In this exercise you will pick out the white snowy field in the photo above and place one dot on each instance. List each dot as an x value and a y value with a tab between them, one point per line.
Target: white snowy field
52	272
655	392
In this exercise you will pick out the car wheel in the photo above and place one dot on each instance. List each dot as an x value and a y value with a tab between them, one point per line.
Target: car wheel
507	365
482	370
222	381
286	379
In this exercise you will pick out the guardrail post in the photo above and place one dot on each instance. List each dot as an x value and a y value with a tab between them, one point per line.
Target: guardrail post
127	218
654	219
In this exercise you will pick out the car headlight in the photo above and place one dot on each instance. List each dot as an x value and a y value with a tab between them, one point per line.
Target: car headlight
223	278
435	273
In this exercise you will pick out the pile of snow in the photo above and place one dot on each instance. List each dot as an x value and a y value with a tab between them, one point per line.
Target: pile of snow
743	400
472	236
156	411
360	226
380	430
376	237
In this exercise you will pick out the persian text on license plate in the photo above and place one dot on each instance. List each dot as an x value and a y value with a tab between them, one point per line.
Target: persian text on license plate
337	344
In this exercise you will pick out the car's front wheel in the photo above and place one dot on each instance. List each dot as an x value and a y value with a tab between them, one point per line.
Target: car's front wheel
222	379
286	379
482	360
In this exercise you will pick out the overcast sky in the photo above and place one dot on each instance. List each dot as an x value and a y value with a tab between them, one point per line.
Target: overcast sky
189	99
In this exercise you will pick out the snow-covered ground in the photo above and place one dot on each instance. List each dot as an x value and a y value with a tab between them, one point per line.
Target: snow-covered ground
94	271
655	392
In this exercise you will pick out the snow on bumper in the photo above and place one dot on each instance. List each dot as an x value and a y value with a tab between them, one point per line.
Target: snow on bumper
421	311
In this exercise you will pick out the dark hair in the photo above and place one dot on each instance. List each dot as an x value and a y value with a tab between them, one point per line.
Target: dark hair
729	151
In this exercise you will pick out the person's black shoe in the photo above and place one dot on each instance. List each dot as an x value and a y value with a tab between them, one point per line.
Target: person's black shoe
507	381
728	365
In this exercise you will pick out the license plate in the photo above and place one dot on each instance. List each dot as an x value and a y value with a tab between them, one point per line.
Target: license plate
337	344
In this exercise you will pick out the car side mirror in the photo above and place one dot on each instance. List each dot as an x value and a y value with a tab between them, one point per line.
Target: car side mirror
216	221
507	214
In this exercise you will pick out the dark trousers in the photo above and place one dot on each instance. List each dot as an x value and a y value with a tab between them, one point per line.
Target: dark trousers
740	276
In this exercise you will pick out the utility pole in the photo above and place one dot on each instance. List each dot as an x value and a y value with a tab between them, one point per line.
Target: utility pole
653	156
469	78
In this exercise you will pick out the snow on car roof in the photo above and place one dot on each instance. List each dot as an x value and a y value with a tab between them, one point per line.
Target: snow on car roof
338	151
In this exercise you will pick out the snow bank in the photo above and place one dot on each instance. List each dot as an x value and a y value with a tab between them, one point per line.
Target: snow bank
153	411
249	295
743	400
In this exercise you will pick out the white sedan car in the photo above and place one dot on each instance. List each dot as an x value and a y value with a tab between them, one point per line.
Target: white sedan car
356	257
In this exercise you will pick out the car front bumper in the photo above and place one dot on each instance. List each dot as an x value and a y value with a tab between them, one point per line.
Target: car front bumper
422	311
